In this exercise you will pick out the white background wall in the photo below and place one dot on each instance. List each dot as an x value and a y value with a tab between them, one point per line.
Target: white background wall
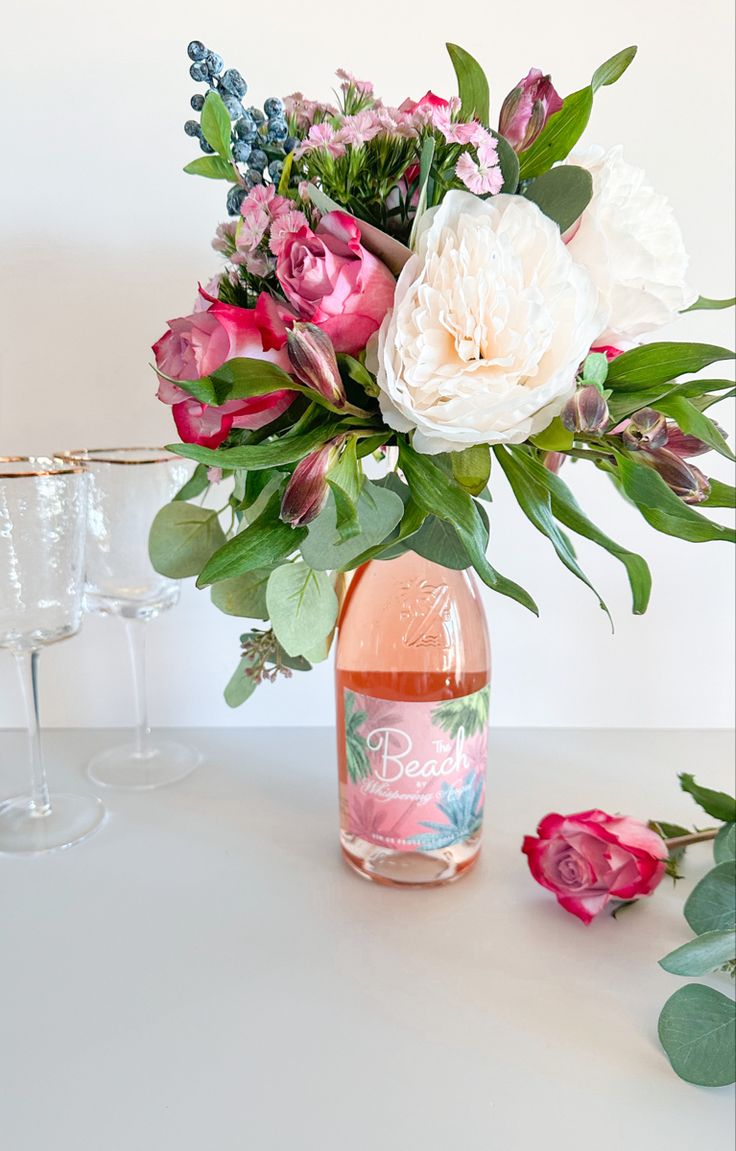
103	238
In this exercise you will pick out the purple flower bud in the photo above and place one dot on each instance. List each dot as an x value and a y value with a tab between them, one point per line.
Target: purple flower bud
646	429
553	461
307	491
314	363
685	480
684	445
527	108
586	411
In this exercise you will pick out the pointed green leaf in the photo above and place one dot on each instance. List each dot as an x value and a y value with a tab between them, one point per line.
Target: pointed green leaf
721	495
613	69
436	492
662	508
716	803
195	485
345	479
215	122
289	449
212	167
472	85
302	607
533	497
182	539
711	905
425	170
707	952
653	364
703	303
559	135
508	163
263	544
697	1028
562	193
692	421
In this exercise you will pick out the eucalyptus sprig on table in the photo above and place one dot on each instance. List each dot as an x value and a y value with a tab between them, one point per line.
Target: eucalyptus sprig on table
697	1025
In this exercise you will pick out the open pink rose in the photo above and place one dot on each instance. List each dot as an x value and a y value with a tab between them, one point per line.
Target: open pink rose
332	281
197	345
588	859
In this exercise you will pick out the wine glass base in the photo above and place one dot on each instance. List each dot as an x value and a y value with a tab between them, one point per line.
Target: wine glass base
161	763
23	829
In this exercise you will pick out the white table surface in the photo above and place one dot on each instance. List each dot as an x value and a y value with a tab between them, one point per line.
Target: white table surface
204	974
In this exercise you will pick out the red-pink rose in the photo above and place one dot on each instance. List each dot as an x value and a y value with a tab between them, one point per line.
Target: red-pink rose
428	100
588	859
197	345
332	281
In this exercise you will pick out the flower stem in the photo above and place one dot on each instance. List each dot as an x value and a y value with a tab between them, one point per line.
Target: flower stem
696	837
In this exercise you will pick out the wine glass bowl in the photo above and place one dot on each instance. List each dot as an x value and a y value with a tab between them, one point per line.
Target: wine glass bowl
43	511
128	486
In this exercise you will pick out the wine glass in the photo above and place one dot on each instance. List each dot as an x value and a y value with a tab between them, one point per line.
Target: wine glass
127	487
43	512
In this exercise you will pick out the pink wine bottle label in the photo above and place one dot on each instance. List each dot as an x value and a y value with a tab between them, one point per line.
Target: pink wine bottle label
416	771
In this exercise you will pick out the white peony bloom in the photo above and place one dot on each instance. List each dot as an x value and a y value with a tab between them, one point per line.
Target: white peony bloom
631	245
491	319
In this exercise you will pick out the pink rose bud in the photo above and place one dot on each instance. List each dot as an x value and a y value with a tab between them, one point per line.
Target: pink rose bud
588	859
307	491
646	429
314	363
527	108
586	411
685	480
684	445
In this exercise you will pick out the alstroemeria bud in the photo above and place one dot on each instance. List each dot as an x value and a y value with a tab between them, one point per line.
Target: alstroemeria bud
307	491
685	480
553	461
586	411
646	429
527	108
683	445
314	363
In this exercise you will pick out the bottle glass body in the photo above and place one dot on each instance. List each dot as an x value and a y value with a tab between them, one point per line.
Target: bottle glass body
412	673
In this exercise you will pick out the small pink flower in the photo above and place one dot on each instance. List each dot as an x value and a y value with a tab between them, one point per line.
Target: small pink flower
363	87
322	136
224	239
214	475
360	128
458	131
484	175
291	221
253	227
588	859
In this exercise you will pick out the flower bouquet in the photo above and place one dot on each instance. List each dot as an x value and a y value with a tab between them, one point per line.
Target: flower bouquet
411	286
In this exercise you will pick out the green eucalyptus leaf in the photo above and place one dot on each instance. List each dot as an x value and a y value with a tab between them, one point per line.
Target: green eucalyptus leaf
692	421
244	595
707	952
697	1028
240	686
215	122
613	69
562	193
567	511
264	543
195	485
559	135
662	508
288	449
649	365
724	844
212	167
302	607
533	496
716	803
703	303
182	539
472	85
379	511
472	467
433	491
711	905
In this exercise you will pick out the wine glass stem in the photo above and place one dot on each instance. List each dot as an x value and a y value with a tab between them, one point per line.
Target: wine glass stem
27	664
137	648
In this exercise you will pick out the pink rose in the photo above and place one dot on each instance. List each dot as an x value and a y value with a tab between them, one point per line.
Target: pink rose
588	859
197	345
527	108
333	282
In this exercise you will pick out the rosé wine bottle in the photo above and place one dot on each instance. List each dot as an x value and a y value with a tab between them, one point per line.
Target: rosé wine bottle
412	674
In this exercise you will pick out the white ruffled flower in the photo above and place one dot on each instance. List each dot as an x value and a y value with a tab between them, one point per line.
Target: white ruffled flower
631	245
491	319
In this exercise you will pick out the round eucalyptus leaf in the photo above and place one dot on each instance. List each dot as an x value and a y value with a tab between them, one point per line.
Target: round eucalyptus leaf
378	509
240	686
724	846
302	607
705	953
711	905
182	538
243	595
697	1028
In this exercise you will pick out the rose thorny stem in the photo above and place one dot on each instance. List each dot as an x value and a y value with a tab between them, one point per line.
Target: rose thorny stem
696	837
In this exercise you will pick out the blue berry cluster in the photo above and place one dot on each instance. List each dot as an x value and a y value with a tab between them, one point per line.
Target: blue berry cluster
260	138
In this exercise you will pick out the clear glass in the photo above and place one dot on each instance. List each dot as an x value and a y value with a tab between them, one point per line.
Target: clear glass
43	509
128	486
413	632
